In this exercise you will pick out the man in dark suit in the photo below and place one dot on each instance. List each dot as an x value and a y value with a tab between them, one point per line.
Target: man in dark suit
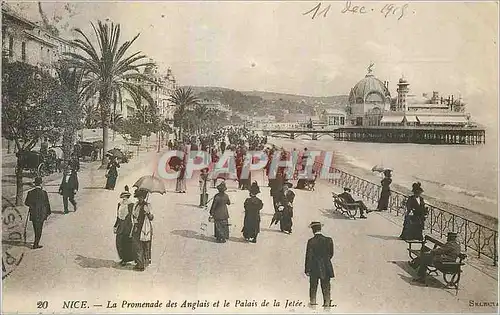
68	189
319	253
446	253
346	195
39	209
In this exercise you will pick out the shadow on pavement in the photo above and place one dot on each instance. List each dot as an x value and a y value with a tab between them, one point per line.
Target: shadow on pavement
18	243
386	237
270	230
88	262
237	239
193	235
60	212
332	214
188	204
87	188
412	273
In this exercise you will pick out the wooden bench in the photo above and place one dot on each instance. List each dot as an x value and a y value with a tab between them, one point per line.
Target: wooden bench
348	209
451	270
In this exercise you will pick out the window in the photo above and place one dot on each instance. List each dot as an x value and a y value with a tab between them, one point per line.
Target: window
156	88
23	51
151	88
342	120
335	120
11	46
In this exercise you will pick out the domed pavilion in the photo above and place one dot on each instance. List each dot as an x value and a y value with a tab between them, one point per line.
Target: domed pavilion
368	100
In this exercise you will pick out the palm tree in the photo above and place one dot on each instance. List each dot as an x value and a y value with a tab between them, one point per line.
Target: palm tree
183	98
107	72
70	80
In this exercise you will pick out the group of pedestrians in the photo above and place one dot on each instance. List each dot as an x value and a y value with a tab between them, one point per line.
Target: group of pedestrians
133	229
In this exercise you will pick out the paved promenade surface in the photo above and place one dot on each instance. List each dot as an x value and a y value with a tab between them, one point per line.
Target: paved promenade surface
78	260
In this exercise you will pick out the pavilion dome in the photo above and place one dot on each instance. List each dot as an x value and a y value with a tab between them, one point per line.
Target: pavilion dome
368	86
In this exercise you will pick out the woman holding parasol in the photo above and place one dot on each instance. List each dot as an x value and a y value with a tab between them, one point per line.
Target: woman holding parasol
142	231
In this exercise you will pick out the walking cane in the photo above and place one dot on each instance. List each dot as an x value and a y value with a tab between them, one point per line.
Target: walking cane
25	227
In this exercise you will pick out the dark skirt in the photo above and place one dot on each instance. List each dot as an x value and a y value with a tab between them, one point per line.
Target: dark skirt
221	230
124	247
111	182
286	220
142	252
301	183
383	201
180	185
412	228
251	225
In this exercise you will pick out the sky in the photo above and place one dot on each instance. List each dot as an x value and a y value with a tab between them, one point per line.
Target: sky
450	47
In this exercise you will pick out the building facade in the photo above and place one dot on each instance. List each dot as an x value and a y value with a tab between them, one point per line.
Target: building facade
368	100
160	88
28	42
410	110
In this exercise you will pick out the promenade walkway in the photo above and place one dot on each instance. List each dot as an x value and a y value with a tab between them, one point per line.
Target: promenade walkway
78	260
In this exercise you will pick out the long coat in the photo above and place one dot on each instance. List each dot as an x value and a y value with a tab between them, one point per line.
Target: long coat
414	219
39	206
319	253
68	186
219	206
251	223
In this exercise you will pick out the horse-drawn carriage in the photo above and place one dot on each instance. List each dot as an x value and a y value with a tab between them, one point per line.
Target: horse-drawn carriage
88	149
41	164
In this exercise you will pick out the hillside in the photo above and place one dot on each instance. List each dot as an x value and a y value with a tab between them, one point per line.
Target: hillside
262	103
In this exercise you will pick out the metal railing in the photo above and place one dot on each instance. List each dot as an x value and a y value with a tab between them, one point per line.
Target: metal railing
471	235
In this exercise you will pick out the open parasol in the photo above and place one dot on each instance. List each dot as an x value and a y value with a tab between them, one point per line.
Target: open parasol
380	169
151	184
116	152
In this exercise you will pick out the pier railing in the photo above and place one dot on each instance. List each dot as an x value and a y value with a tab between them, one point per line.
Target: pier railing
471	235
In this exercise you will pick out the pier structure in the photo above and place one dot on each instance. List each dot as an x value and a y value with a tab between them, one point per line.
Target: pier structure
386	134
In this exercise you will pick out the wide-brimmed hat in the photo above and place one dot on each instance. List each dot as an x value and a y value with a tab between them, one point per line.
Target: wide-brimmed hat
347	189
254	189
38	181
315	224
289	185
126	193
417	187
387	172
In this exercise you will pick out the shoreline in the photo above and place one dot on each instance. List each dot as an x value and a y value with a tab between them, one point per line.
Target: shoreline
342	162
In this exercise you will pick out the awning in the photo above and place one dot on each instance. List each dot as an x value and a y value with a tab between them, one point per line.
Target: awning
392	119
411	119
442	120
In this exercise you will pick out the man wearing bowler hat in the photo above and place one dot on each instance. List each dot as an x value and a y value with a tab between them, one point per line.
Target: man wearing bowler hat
319	267
449	252
39	209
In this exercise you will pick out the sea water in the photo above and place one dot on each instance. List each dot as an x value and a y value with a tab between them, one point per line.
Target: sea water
464	175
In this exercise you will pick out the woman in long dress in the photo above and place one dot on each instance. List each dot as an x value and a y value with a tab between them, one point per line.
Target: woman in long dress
123	228
251	223
219	214
142	232
286	199
112	173
180	185
415	215
383	201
